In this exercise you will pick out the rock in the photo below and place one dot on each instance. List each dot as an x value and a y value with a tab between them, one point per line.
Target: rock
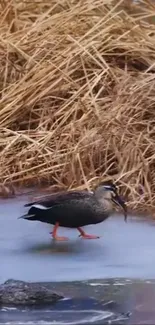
14	292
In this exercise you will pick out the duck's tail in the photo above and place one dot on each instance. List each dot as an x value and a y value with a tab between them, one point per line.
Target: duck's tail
28	217
32	214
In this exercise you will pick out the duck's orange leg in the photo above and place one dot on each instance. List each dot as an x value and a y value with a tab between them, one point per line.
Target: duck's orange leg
54	233
85	236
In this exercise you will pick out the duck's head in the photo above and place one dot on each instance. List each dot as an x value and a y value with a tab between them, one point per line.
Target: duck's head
108	190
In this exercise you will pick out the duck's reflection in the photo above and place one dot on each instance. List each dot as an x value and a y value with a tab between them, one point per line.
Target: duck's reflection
70	247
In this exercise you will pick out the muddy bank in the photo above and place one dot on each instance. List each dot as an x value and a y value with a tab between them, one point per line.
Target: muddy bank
114	301
23	302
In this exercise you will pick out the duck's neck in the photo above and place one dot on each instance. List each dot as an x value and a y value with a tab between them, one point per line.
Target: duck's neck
107	204
104	201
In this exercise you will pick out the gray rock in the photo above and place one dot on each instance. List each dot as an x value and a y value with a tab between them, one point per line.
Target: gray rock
14	292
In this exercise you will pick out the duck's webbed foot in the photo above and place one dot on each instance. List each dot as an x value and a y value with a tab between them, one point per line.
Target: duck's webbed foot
86	236
58	238
54	234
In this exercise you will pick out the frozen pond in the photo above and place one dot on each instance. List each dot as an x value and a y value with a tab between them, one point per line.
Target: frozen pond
27	251
125	253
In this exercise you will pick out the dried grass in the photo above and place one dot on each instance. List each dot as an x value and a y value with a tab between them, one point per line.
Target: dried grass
77	95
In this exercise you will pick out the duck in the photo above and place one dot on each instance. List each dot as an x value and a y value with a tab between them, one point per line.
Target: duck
76	209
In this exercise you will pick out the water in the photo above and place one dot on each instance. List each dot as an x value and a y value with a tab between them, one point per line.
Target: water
119	267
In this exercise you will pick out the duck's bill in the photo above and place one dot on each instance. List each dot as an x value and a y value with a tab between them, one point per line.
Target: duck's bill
120	202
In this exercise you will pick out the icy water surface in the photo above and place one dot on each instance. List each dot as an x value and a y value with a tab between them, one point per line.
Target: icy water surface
119	267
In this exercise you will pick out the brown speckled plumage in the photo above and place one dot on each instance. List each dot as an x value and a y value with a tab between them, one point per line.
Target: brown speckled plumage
75	209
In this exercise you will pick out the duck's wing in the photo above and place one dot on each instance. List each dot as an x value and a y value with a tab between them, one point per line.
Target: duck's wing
60	198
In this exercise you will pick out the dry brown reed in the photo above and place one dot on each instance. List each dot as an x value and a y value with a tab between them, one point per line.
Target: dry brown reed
77	95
